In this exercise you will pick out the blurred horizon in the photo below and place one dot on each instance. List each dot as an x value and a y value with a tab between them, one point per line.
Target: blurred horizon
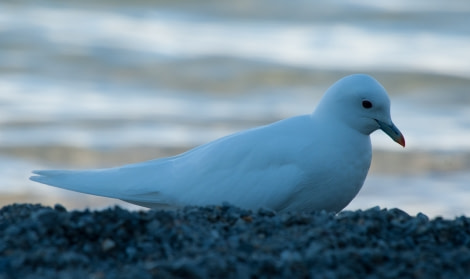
86	84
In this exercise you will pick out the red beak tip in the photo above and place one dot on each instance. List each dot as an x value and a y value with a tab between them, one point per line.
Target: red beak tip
402	141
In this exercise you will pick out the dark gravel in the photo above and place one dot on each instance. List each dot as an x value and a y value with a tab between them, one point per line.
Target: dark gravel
228	242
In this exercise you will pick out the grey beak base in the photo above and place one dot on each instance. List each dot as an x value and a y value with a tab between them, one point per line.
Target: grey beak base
392	131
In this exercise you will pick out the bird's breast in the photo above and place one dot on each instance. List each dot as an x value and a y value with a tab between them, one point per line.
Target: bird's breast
332	176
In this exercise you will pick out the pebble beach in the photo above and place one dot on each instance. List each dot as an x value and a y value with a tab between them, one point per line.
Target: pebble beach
229	242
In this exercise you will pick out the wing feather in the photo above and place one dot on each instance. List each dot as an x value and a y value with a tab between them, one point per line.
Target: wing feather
248	169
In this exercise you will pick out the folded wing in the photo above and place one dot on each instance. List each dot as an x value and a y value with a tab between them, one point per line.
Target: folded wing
237	169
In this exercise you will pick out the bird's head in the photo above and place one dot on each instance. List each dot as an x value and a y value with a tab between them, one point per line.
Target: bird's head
362	103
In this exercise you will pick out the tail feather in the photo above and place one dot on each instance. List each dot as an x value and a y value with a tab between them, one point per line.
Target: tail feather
89	182
118	183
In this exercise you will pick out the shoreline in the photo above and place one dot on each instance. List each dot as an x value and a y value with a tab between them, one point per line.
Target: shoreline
383	161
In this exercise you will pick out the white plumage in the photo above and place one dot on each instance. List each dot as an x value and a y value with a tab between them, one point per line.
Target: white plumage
309	162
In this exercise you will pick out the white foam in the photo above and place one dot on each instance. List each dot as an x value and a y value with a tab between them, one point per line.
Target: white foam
333	45
178	119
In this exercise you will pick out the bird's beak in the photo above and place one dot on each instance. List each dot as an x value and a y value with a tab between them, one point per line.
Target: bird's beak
392	131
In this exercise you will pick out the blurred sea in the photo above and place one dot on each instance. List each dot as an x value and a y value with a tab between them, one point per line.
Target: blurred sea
87	84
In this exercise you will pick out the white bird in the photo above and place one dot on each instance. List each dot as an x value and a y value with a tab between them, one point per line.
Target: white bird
310	162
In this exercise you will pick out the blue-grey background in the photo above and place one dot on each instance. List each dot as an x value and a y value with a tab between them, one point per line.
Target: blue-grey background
87	84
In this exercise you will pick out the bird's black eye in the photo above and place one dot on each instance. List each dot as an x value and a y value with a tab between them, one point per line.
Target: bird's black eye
366	104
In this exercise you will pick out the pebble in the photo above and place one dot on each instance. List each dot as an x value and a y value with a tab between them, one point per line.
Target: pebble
229	242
